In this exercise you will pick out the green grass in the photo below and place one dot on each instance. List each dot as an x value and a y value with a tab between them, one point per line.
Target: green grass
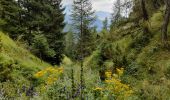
17	67
148	64
10	48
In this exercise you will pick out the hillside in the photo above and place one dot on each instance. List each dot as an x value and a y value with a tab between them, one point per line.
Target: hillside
144	58
17	67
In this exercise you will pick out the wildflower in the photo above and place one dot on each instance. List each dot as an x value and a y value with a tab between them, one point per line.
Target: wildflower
51	80
50	70
39	74
115	86
50	74
115	75
120	71
128	93
108	81
108	74
60	70
98	89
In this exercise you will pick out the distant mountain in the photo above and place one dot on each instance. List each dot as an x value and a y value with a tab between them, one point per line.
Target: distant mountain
101	15
98	23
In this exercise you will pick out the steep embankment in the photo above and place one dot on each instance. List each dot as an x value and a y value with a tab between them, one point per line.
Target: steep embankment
17	66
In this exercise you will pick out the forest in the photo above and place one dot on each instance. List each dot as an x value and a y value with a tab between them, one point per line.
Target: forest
73	50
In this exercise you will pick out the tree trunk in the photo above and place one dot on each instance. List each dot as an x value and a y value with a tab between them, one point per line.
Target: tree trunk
165	23
144	11
145	15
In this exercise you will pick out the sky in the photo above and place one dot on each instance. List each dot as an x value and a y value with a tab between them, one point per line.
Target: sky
98	5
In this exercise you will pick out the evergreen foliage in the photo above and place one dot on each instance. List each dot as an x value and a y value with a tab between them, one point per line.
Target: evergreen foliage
105	24
83	18
36	17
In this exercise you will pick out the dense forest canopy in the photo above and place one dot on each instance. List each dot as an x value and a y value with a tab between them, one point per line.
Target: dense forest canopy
84	49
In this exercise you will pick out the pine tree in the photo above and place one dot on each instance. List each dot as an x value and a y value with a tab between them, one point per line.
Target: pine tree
53	29
83	18
10	14
145	15
46	17
105	24
116	15
36	17
2	21
166	23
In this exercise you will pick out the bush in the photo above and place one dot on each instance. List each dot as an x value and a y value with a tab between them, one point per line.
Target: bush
40	47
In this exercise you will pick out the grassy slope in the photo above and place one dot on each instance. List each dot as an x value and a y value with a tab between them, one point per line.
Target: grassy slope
14	51
17	65
148	63
151	62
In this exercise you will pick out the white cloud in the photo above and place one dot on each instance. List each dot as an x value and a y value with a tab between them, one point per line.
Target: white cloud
67	2
103	5
98	5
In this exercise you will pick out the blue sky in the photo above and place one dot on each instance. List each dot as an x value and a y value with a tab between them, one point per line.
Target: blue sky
98	5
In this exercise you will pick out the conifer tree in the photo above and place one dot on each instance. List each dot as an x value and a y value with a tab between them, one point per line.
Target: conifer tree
36	17
83	18
166	23
53	29
117	14
105	24
10	14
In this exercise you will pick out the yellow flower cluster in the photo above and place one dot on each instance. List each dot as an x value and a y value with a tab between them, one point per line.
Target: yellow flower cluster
50	74
108	74
51	80
114	85
98	89
40	74
120	71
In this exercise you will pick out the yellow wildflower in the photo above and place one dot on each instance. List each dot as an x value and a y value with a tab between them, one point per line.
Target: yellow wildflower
98	89
120	71
108	74
60	70
108	81
128	93
50	74
49	81
50	70
115	86
40	74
